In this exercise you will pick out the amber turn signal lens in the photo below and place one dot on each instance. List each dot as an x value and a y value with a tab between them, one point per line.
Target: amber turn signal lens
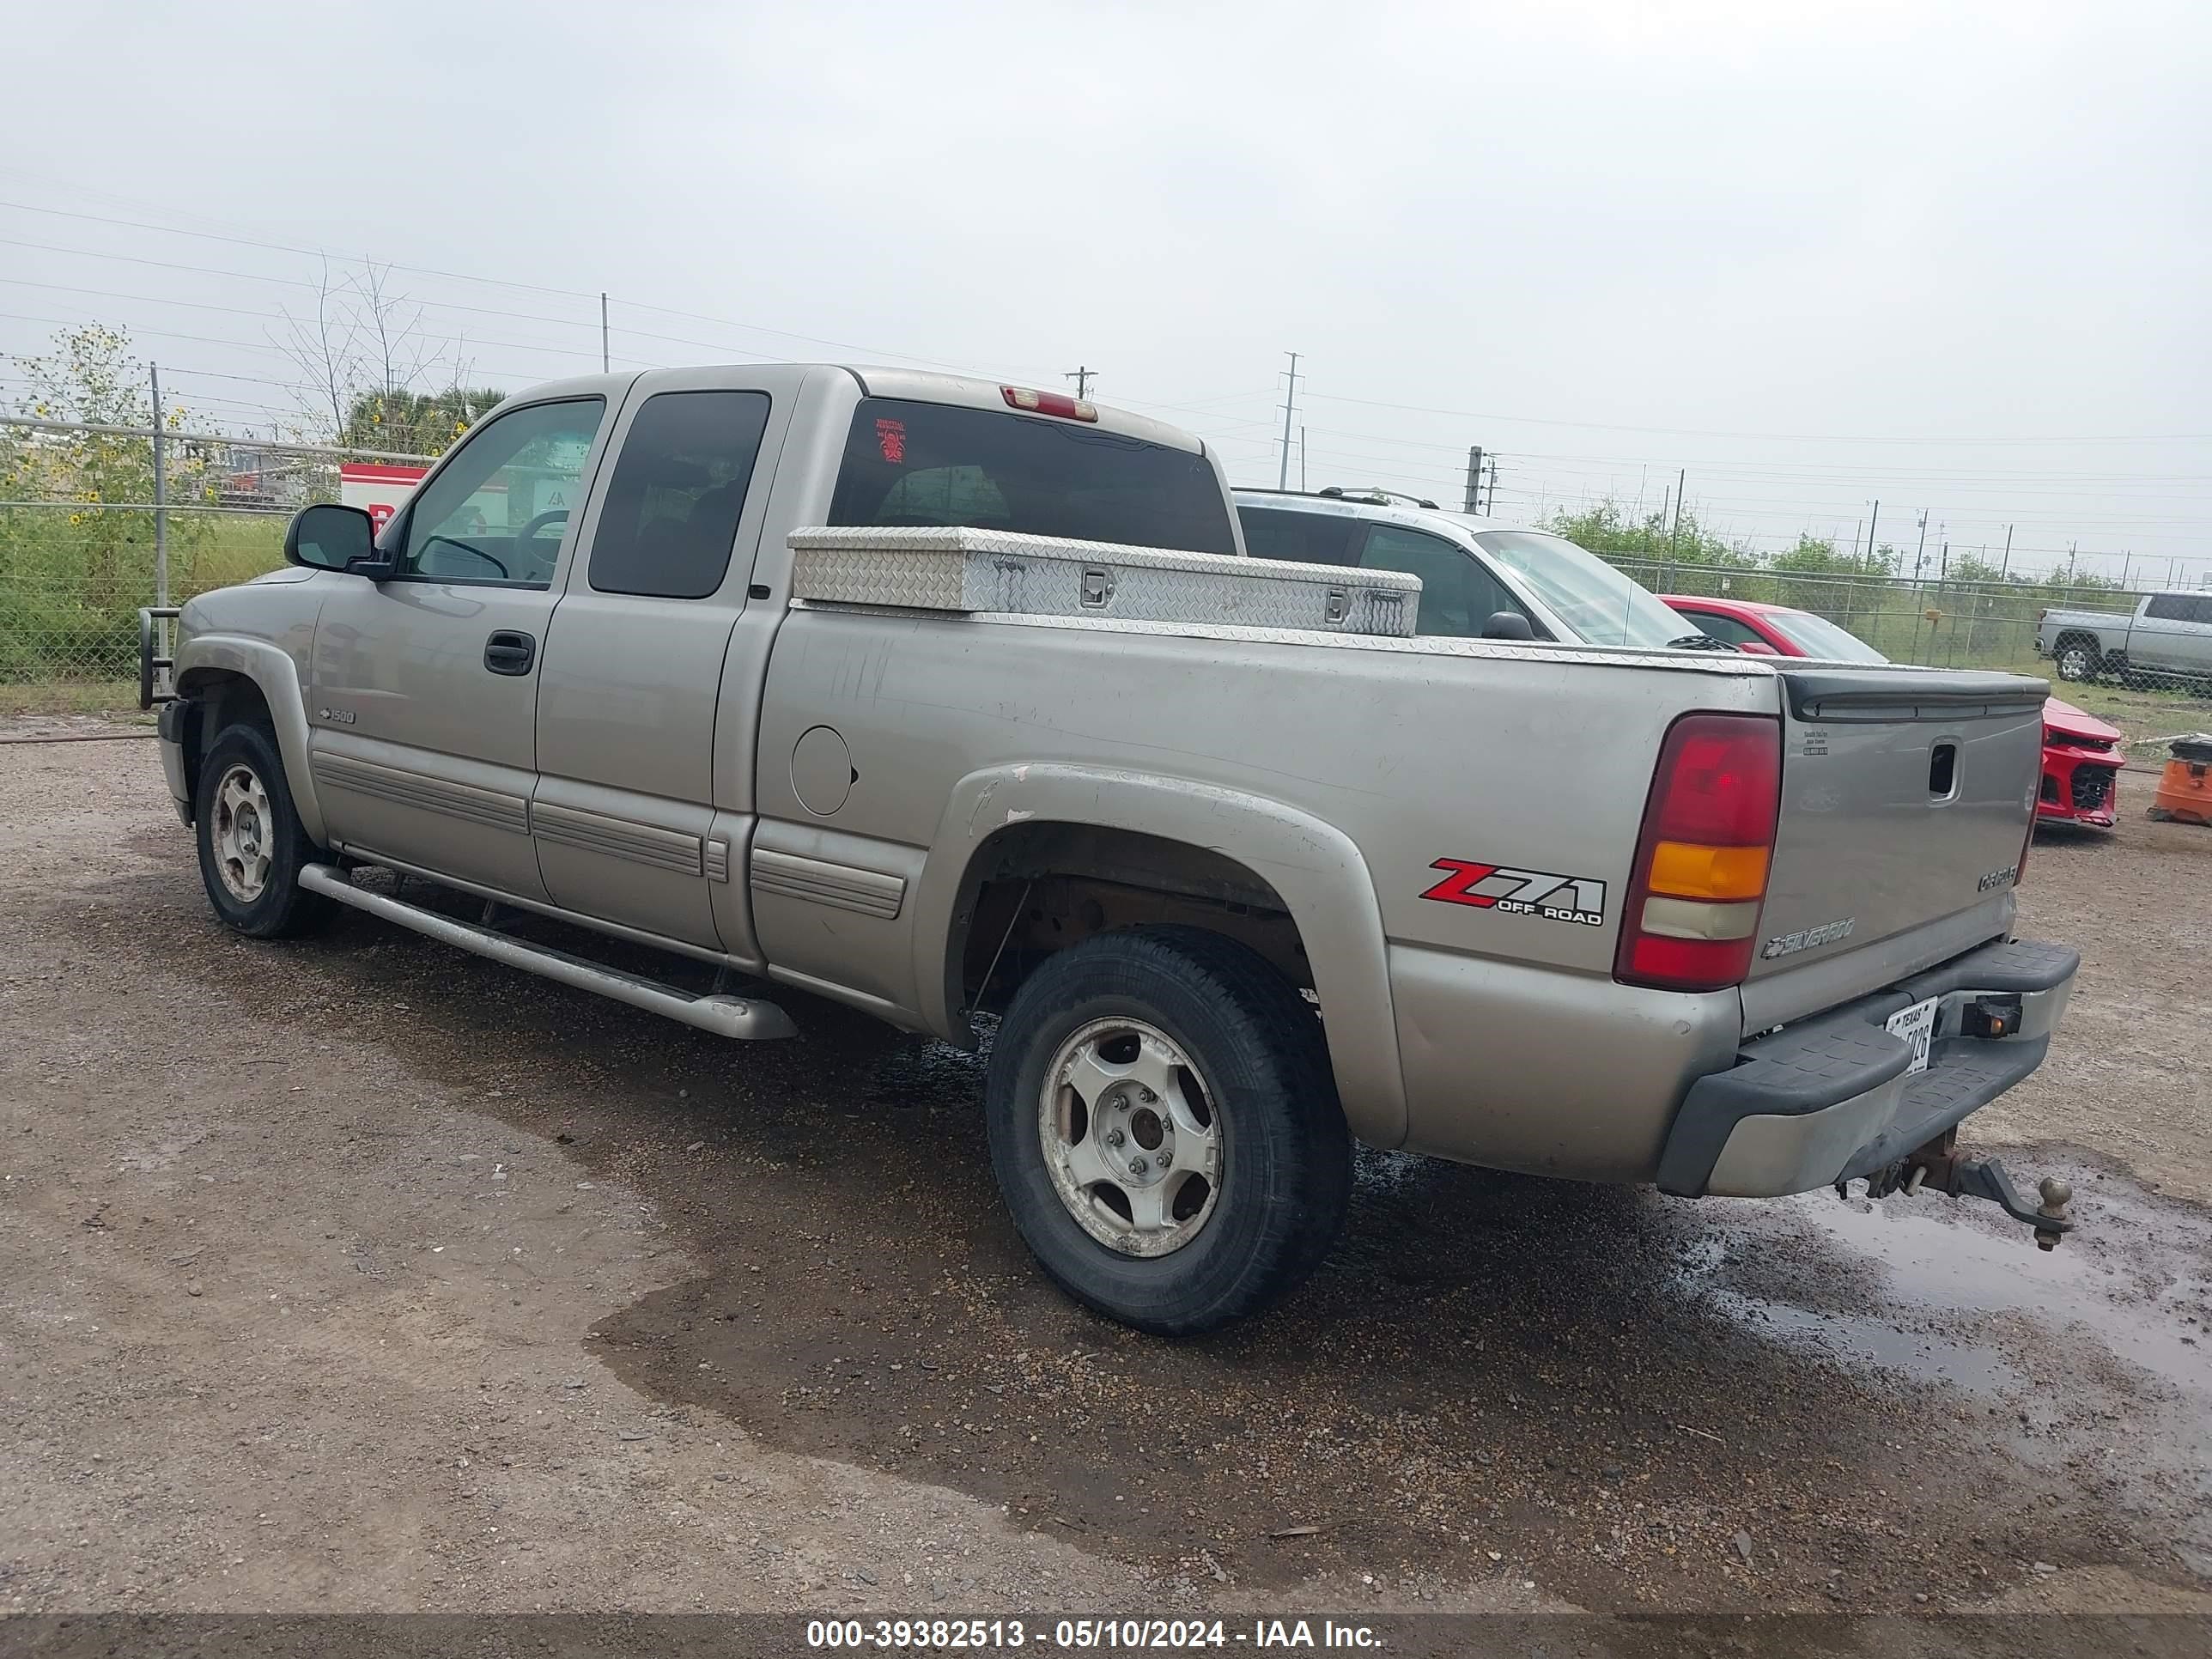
1683	869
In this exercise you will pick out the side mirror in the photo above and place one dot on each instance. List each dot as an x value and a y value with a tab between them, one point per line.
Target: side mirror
328	536
1507	625
1757	649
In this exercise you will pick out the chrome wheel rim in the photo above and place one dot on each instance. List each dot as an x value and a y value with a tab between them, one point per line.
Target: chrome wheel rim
2074	664
242	834
1131	1136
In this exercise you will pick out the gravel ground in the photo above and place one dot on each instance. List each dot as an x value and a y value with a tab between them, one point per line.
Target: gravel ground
360	1273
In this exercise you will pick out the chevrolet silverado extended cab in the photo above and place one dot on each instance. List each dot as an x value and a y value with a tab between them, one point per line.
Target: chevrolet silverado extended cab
949	700
2166	633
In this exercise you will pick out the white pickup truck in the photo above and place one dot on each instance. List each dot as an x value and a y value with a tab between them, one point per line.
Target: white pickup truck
878	686
2168	633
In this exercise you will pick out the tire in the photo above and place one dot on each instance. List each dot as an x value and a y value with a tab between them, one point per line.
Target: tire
1259	1192
250	845
2076	659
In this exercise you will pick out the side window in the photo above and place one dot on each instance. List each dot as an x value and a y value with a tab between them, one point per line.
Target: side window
1459	595
2171	607
2203	611
1727	628
495	511
1300	538
677	492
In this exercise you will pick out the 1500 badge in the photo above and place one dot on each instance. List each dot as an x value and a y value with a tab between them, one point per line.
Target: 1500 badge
1579	900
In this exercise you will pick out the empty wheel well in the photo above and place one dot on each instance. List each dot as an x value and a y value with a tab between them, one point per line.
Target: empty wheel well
225	699
1035	889
2078	636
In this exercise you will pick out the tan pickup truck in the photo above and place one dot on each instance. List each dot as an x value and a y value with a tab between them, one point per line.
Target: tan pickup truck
958	702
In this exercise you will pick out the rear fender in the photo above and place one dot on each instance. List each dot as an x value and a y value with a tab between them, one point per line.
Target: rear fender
1314	867
273	671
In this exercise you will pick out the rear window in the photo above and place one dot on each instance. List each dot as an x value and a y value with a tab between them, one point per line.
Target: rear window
931	464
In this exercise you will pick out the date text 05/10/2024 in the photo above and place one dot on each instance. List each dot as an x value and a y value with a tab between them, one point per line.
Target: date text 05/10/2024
1086	1635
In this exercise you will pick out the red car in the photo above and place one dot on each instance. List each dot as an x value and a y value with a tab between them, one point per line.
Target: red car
2081	753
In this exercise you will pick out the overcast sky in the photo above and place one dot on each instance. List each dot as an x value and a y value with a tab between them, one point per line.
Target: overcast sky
1953	256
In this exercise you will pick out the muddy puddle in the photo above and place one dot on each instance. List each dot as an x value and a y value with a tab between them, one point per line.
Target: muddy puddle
1493	1377
1632	1401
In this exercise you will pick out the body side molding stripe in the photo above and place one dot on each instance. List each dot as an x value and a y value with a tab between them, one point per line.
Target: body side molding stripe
490	807
617	838
841	886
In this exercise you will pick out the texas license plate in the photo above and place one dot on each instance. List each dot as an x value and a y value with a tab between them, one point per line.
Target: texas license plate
1917	1025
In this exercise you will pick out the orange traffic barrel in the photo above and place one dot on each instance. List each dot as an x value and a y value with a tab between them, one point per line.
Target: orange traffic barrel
2184	788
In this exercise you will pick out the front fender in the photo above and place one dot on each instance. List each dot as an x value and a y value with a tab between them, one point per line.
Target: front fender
277	677
1319	874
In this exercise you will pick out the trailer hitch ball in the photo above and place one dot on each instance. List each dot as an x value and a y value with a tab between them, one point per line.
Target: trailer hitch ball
2056	1195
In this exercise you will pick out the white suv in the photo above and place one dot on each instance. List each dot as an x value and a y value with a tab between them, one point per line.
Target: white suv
1481	577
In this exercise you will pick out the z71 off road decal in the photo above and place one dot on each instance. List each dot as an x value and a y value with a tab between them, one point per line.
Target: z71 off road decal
1577	899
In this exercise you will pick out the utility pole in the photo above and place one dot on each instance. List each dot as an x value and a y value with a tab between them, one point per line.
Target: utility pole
1675	535
1081	376
605	360
1474	479
160	495
1290	403
1874	525
2126	559
1302	458
2004	570
1920	552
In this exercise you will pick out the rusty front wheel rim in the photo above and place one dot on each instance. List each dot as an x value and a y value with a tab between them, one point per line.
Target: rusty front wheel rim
242	834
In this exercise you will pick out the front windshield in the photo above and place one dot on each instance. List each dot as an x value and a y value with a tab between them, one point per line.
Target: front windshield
1602	606
1819	637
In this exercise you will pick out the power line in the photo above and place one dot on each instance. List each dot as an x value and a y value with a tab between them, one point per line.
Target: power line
1790	437
1815	476
461	277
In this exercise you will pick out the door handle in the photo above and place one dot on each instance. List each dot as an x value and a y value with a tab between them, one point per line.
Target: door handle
510	651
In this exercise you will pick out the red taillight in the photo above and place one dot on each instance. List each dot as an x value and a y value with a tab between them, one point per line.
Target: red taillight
1048	403
1692	922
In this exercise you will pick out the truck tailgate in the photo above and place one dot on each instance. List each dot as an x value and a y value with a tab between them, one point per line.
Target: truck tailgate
1907	796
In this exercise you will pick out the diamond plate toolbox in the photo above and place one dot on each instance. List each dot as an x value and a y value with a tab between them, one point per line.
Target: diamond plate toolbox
959	569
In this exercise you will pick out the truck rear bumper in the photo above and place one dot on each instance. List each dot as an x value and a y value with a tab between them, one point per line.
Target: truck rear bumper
1830	1098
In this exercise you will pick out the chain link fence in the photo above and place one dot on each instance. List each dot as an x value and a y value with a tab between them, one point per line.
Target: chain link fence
1980	624
95	523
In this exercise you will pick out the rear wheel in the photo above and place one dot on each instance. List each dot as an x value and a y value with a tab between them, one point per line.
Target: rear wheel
2077	660
250	845
1165	1129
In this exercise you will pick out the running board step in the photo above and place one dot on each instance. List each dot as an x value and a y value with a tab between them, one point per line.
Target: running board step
747	1018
